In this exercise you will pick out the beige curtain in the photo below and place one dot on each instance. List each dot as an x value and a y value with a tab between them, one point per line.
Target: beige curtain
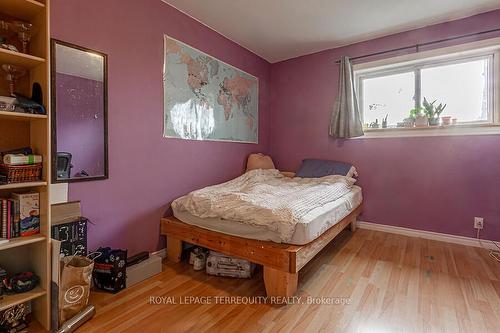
346	120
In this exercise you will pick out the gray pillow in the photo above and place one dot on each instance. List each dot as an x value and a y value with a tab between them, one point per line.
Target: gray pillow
311	168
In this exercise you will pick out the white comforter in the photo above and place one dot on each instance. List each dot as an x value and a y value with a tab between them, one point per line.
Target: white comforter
265	198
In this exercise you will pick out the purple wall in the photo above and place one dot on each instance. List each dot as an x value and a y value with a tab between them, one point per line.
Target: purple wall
146	170
434	183
80	129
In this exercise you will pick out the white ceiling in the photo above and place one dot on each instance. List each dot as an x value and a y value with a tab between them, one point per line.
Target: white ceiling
282	29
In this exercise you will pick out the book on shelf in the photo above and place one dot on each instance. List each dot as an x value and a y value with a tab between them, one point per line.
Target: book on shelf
20	215
3	212
10	234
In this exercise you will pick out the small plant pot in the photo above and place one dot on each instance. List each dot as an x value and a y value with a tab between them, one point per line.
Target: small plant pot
433	121
408	122
446	120
421	121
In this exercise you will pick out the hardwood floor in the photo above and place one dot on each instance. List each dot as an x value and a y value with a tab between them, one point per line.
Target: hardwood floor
394	284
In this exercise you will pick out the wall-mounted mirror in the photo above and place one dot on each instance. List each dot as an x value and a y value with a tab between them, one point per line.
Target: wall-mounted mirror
79	113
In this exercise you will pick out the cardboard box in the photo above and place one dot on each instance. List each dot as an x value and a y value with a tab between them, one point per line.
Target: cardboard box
65	212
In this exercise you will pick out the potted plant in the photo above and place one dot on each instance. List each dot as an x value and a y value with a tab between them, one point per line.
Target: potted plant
384	121
375	124
433	112
420	118
408	122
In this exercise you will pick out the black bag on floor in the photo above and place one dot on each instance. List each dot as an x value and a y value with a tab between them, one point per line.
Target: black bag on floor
109	269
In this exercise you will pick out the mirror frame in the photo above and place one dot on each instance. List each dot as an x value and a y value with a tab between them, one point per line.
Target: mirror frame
55	180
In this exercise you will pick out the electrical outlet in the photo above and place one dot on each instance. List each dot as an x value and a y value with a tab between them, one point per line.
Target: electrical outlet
478	222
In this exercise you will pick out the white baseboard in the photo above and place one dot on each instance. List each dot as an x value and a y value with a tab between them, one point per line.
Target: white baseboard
469	241
161	253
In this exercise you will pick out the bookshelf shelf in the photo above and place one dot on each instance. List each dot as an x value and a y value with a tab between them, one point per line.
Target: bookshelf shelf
21	116
11	300
21	185
22	9
20	59
20	241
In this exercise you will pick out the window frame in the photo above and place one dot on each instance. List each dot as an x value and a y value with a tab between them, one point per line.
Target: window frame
488	49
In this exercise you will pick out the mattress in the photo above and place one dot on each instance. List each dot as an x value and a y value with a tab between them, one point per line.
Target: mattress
314	224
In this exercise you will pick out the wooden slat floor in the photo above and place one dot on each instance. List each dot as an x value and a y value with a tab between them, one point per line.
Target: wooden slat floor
395	284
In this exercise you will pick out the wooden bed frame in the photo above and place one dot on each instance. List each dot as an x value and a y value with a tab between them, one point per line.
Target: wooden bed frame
281	262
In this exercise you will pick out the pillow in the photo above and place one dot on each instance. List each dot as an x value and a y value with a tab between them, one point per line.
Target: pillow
259	161
320	168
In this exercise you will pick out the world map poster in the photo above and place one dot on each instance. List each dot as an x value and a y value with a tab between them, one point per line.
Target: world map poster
207	99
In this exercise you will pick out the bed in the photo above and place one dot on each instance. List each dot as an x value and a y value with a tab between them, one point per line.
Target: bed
227	219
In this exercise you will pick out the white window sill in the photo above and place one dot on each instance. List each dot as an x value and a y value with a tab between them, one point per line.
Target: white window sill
451	130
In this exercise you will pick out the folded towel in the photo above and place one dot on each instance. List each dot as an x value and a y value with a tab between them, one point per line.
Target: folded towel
20	159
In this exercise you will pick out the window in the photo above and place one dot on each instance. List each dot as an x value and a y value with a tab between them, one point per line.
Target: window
462	86
391	95
465	84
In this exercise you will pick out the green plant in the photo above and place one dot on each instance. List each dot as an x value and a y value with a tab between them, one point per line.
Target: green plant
416	112
432	111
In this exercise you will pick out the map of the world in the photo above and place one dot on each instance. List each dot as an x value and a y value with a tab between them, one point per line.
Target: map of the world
207	99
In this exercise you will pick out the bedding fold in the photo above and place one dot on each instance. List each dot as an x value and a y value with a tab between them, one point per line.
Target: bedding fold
265	198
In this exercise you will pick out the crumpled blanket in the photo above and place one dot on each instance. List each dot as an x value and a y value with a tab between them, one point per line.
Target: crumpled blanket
265	198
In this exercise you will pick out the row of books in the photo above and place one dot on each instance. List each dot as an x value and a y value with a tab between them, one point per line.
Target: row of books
20	215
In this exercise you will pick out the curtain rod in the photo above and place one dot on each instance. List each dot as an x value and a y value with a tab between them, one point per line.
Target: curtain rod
417	46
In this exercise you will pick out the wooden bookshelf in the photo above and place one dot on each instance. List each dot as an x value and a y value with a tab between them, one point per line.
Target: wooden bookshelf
21	116
22	9
20	59
20	241
22	185
11	300
21	130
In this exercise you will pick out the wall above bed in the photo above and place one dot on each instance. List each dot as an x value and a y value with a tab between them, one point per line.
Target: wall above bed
434	183
147	171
